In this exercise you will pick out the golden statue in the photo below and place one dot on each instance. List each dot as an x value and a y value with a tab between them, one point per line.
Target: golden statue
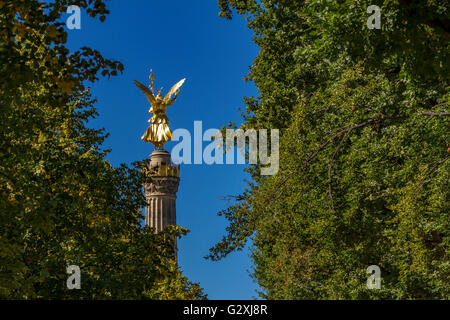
158	132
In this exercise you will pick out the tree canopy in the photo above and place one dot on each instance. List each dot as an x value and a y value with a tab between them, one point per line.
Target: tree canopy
364	171
61	202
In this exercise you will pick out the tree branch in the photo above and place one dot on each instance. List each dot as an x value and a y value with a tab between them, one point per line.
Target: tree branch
330	168
436	114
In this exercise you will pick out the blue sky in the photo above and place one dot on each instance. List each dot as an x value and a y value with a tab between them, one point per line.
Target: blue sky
179	39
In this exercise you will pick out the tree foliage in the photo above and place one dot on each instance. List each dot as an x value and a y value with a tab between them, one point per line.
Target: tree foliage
61	202
364	170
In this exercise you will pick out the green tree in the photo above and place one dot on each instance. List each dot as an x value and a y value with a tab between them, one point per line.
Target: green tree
364	170
61	202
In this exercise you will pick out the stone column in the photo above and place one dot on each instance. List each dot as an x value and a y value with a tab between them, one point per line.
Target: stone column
161	193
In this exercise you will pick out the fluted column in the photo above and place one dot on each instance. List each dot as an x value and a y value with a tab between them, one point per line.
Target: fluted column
161	192
160	212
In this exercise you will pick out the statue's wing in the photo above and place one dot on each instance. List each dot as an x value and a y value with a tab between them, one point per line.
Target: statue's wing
172	91
147	92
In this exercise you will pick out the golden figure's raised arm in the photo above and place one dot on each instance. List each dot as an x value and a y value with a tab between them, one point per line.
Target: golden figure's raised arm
147	92
175	90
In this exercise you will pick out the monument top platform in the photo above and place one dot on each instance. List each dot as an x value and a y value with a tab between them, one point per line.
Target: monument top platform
159	157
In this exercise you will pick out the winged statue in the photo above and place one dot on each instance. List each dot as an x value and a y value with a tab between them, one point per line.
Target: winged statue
158	131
